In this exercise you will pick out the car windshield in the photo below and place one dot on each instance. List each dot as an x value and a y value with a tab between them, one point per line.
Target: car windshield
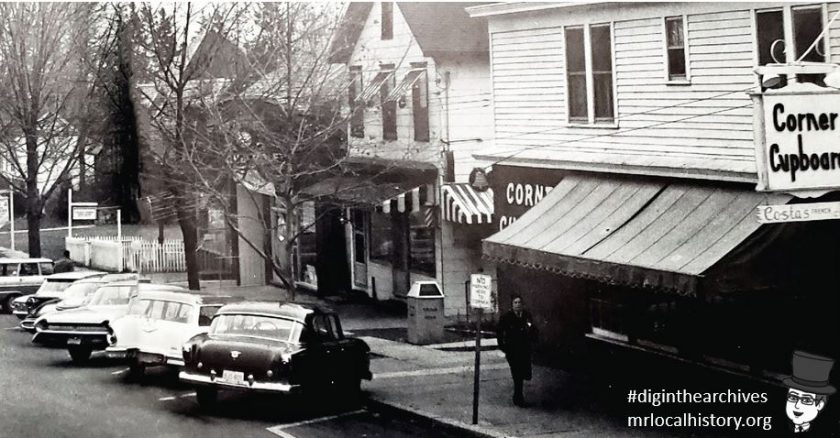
257	326
81	290
51	286
111	295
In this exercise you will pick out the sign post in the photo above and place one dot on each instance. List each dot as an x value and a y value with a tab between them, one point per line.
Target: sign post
480	299
12	218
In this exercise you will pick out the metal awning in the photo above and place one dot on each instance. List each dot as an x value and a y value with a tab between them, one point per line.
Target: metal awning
654	234
408	81
463	204
374	85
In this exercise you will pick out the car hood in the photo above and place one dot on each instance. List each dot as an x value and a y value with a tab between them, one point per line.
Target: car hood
71	303
88	315
255	355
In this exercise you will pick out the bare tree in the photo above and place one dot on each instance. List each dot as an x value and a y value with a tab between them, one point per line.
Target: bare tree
44	82
172	39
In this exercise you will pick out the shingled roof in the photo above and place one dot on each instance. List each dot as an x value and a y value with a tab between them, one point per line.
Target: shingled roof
441	29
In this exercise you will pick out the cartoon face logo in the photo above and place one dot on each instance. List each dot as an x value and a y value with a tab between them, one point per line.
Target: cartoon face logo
808	388
803	407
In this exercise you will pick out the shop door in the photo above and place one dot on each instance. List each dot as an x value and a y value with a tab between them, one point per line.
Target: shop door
401	275
361	221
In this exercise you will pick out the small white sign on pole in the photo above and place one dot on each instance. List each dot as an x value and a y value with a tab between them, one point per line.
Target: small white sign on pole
4	211
815	211
84	213
481	291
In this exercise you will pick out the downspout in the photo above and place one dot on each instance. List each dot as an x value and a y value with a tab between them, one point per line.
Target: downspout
446	83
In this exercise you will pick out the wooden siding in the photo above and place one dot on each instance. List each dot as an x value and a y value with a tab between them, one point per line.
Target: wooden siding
705	125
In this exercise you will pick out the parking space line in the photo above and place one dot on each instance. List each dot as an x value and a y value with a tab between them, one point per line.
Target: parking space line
12	328
119	372
278	430
166	398
189	394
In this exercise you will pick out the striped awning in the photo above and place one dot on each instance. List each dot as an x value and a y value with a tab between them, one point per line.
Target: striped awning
463	204
412	200
374	85
408	81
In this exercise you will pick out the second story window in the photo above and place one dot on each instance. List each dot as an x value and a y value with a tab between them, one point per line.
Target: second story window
774	30
420	103
589	74
389	106
675	49
357	108
387	20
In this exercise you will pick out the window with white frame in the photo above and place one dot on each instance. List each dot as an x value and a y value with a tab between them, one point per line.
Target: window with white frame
786	34
675	49
589	74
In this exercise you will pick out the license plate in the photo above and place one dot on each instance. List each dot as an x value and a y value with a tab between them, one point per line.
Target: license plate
235	377
74	341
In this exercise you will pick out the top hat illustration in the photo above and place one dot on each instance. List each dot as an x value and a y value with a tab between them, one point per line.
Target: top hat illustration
810	373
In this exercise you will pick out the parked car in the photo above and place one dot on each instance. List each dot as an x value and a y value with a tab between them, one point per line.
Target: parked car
157	325
75	296
51	289
87	328
20	277
274	348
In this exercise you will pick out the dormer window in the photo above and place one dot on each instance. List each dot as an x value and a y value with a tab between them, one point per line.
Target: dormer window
387	20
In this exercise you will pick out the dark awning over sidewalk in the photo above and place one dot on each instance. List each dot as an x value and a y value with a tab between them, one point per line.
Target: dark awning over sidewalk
375	181
654	234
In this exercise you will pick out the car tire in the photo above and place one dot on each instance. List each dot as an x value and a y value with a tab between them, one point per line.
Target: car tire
206	397
136	370
80	354
7	303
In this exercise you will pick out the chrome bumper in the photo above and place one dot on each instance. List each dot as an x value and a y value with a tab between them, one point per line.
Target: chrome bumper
116	353
28	324
274	387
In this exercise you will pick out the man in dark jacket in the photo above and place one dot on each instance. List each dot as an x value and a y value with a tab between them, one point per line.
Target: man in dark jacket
515	333
64	264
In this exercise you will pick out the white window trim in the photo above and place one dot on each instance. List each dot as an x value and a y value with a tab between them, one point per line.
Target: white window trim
666	66
590	77
787	22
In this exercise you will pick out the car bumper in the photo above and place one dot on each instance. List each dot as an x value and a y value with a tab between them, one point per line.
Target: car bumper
97	341
270	387
28	324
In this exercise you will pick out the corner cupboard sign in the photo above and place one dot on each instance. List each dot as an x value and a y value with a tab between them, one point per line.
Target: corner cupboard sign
800	148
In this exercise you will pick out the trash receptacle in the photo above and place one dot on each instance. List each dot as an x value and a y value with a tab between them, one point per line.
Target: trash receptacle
425	313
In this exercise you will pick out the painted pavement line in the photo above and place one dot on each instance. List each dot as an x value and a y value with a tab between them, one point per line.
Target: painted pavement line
438	371
278	430
12	328
173	397
119	372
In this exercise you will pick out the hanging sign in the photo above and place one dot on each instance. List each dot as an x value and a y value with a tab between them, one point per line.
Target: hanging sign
801	146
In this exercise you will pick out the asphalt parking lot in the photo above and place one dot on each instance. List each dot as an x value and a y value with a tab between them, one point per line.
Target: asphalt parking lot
46	395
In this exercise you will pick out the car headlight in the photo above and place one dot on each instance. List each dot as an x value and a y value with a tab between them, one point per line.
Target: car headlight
41	325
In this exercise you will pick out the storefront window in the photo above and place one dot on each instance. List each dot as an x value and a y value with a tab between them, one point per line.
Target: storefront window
381	237
607	319
422	242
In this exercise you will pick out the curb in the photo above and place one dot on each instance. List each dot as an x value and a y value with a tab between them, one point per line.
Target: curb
453	425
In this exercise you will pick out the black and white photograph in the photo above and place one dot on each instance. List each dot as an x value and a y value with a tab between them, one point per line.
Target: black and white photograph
305	219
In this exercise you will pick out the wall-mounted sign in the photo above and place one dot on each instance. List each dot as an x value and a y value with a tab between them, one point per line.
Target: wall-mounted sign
800	150
517	189
815	211
84	213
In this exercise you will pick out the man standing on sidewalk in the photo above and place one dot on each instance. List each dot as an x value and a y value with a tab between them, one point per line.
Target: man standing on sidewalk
64	264
515	334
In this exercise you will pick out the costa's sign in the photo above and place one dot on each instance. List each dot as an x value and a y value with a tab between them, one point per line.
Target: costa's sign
801	145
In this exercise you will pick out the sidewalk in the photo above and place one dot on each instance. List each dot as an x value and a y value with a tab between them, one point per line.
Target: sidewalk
436	385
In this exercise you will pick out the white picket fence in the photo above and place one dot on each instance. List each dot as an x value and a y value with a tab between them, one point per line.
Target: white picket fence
130	252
